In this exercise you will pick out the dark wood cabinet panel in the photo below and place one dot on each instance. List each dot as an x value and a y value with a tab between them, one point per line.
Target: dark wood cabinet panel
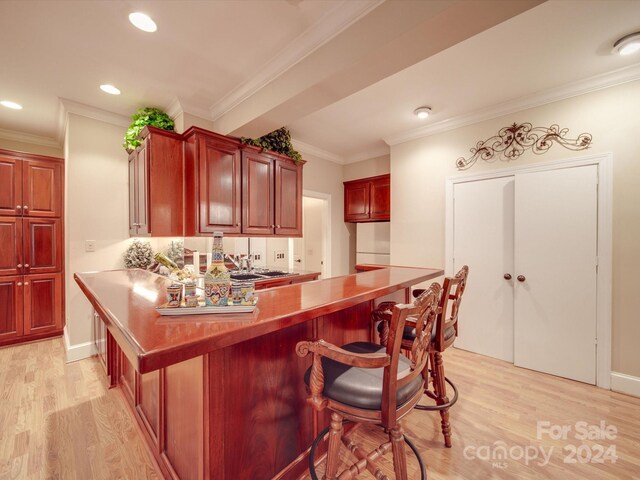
380	195
11	253
258	184
42	303
368	199
149	402
42	245
11	307
10	186
42	188
156	177
127	378
213	183
288	198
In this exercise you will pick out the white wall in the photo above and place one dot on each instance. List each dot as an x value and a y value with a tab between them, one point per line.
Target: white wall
419	169
96	209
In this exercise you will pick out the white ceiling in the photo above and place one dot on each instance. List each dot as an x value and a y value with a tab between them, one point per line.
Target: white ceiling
212	57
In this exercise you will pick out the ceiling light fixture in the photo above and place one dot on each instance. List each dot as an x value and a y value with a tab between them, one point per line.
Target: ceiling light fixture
10	104
628	44
422	112
143	22
110	89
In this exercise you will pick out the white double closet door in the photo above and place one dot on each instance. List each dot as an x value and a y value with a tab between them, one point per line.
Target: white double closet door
539	229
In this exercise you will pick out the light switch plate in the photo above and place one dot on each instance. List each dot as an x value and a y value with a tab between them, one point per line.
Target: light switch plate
89	245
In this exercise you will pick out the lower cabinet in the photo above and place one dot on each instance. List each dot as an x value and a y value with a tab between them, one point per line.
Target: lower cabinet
30	305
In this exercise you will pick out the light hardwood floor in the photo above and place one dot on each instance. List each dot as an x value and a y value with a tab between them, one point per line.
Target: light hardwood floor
59	421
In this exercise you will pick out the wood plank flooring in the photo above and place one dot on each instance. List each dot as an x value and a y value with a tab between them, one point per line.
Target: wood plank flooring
59	421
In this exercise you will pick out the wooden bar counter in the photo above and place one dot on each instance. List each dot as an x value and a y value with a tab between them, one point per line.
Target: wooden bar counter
222	396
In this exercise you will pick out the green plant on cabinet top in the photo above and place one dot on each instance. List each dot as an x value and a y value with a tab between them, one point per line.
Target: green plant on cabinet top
278	141
146	116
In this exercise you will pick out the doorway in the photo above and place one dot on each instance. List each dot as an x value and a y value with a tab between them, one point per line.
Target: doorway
312	252
538	243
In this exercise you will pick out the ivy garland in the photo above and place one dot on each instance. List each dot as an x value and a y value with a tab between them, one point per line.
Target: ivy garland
278	141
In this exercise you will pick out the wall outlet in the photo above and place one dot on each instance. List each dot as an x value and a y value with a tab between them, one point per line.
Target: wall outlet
90	246
279	255
257	257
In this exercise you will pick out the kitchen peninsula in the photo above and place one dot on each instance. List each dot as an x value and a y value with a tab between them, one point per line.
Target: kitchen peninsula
222	396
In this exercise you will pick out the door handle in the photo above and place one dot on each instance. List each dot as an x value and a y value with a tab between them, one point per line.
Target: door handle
298	260
507	276
521	278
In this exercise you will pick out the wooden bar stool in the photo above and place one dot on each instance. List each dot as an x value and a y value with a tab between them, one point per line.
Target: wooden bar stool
443	336
366	383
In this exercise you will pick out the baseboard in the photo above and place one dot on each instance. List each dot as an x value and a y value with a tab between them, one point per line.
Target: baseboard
79	351
623	383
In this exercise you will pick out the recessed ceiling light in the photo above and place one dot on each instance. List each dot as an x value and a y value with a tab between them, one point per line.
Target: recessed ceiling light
422	112
143	22
10	104
110	89
628	44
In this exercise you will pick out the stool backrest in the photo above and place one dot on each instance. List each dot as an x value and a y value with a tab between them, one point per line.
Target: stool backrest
424	310
452	290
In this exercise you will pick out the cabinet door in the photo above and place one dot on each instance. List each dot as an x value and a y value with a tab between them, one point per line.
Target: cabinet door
142	190
42	188
10	186
133	200
219	182
380	199
257	194
11	307
288	202
11	242
42	303
42	245
356	201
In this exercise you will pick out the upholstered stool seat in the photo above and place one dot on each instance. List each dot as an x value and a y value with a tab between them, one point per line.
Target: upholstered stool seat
409	333
362	387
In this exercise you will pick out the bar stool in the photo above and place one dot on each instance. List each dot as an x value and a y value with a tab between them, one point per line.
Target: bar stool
444	334
365	383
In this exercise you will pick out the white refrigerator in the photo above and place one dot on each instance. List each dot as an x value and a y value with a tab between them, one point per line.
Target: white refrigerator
373	243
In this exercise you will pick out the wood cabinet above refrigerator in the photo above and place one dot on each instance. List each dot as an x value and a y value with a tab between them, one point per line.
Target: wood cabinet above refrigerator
368	199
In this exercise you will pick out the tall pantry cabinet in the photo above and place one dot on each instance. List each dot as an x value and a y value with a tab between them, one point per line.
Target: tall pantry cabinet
31	246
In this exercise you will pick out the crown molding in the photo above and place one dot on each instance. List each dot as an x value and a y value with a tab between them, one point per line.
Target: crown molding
306	148
544	97
368	154
174	108
69	106
29	138
335	21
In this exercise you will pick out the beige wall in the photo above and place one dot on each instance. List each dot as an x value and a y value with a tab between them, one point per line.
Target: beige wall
96	209
31	148
367	168
419	169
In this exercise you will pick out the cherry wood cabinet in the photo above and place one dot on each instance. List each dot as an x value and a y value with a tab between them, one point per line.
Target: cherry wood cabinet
156	177
30	185
368	199
32	239
271	195
213	183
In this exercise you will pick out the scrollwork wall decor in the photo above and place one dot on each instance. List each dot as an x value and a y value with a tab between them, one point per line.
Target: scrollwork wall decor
512	141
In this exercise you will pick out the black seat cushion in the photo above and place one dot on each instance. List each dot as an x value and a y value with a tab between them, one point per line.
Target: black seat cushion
362	387
410	333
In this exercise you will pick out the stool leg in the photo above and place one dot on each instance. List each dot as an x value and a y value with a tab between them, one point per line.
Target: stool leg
440	390
333	452
396	435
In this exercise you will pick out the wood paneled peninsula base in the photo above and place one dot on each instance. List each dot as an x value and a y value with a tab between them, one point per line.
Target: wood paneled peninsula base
222	396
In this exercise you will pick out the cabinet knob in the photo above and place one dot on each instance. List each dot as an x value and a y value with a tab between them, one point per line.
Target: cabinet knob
26	283
26	207
507	276
277	226
521	278
18	207
26	265
273	226
19	284
19	265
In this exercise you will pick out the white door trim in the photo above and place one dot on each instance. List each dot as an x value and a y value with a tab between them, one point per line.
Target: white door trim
604	161
327	227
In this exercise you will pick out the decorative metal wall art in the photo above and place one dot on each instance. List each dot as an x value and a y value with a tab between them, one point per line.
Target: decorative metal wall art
511	142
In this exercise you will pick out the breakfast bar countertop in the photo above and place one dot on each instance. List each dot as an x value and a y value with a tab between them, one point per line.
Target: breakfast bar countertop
126	301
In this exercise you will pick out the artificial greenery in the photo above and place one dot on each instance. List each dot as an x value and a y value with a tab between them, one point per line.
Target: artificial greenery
279	141
138	255
145	116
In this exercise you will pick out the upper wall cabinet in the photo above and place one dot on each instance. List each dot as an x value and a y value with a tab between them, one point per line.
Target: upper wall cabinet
156	177
271	194
368	199
214	184
30	187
